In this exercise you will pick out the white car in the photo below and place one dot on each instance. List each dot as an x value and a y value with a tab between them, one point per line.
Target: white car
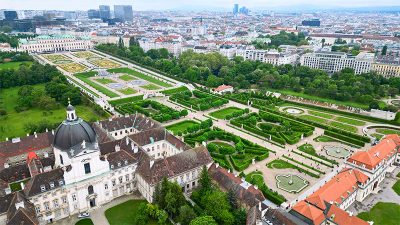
83	215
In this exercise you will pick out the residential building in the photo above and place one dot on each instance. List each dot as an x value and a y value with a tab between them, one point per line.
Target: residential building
222	89
388	67
272	57
332	62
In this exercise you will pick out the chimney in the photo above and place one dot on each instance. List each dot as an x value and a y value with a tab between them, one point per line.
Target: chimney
35	134
6	165
127	140
22	185
19	205
117	148
350	213
52	132
151	163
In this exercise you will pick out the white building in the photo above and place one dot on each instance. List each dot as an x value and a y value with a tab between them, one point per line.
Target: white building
172	44
93	164
272	57
55	43
332	62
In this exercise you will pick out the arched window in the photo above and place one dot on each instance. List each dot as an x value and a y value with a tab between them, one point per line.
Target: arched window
61	160
90	189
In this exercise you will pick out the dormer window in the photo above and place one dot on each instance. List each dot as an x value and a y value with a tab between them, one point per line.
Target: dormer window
51	184
61	182
42	187
126	162
112	166
119	164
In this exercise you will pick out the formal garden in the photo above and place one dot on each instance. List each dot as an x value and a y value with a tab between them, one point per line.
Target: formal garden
85	77
289	163
55	57
256	99
128	91
73	67
291	183
153	109
84	54
198	100
257	178
274	127
310	150
229	113
138	75
174	90
104	63
230	151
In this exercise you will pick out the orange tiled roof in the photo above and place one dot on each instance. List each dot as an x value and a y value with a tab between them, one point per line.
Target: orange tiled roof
222	87
339	216
375	155
338	188
311	212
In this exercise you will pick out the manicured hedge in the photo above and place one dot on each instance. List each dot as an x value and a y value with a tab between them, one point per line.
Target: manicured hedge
344	138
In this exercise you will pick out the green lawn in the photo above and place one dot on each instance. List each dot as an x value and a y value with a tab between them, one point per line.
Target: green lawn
383	213
85	78
321	99
396	187
86	221
140	75
350	121
175	90
126	77
324	138
344	126
13	65
181	126
323	115
17	185
124	213
222	113
128	91
314	119
150	87
105	81
12	125
387	131
280	164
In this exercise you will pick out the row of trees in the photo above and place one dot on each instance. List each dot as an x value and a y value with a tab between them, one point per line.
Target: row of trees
15	56
213	69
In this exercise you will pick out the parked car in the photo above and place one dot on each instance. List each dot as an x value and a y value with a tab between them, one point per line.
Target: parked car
84	215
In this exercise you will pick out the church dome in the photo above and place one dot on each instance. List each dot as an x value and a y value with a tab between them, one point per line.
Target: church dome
73	131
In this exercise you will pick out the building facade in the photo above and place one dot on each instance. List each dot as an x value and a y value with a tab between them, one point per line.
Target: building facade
272	57
55	43
332	62
92	164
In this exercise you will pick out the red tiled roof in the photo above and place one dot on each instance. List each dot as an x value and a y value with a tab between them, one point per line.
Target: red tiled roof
339	216
375	155
311	212
222	87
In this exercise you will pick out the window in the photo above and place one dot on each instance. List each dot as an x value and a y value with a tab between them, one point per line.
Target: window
87	168
55	203
113	183
90	189
37	208
61	160
127	177
120	179
51	185
74	197
64	199
46	206
105	186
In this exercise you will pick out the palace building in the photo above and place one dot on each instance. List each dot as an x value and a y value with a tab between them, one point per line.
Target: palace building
55	43
81	166
364	171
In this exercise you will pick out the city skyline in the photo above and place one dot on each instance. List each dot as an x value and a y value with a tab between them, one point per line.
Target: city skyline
183	5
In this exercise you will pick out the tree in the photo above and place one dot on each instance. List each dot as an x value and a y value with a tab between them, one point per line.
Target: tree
6	29
142	216
133	41
203	220
215	204
384	50
121	43
205	181
186	214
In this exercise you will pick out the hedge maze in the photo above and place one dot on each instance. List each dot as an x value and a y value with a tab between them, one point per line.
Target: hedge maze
227	149
155	110
278	128
198	100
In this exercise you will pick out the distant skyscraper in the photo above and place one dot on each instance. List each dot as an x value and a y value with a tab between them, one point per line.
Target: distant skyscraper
10	15
235	9
105	12
244	11
123	12
93	14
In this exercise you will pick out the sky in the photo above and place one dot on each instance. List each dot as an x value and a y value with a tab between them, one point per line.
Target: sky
139	5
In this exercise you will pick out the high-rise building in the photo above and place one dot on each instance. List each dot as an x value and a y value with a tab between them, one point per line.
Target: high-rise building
123	12
105	12
10	15
235	9
93	14
244	11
